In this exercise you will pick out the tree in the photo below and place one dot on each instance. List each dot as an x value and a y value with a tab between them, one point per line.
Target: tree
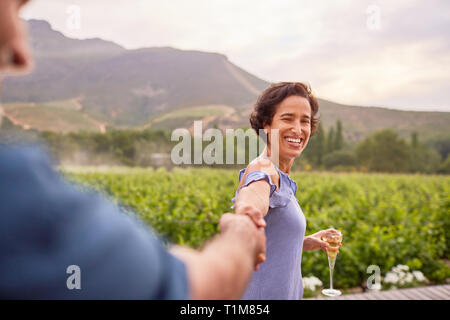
320	145
330	141
344	158
441	143
384	151
423	159
445	166
315	150
339	137
415	140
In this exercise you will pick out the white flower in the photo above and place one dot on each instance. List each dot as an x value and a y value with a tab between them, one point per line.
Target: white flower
419	276
400	268
391	277
311	283
403	267
409	277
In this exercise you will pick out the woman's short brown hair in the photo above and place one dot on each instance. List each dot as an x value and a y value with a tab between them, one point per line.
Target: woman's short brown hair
267	102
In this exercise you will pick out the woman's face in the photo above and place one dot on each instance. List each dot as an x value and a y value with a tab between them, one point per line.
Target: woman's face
293	121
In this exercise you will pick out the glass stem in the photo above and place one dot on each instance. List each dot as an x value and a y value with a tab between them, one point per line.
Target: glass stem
331	265
331	277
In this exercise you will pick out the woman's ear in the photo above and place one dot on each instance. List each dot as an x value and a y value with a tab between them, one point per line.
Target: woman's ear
266	129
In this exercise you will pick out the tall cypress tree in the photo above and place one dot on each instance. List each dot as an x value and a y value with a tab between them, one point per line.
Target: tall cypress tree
339	138
330	140
316	147
414	140
320	145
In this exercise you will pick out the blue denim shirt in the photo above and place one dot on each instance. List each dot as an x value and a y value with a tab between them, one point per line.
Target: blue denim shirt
47	225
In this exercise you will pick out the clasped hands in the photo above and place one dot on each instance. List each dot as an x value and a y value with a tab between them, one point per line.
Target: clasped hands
253	220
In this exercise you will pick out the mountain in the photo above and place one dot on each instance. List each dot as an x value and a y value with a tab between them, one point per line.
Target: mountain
127	87
90	84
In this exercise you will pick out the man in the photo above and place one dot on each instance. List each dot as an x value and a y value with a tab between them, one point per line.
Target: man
58	243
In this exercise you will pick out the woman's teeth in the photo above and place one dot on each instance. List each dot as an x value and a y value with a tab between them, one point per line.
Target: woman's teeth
293	140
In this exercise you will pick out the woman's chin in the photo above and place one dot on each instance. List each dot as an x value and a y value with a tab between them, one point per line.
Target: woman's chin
291	154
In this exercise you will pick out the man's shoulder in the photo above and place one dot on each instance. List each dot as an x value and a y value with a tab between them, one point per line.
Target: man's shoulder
19	157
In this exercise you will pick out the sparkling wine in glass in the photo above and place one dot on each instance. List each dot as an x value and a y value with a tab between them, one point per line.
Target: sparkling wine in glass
333	239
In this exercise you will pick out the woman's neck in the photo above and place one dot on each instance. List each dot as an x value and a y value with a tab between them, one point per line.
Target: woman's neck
282	163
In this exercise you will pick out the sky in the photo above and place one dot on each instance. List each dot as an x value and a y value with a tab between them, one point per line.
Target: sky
393	54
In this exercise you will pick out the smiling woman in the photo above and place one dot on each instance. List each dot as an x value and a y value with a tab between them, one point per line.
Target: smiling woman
268	195
291	110
264	110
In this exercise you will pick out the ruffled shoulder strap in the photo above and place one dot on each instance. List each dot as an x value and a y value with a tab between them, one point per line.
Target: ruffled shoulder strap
257	176
276	198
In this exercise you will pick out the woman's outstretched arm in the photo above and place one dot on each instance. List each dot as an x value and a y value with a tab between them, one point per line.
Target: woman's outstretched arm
253	200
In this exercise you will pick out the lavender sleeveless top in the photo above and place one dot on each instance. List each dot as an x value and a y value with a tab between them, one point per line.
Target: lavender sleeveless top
279	277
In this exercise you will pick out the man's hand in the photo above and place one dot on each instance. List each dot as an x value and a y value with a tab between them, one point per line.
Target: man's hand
257	217
223	268
243	225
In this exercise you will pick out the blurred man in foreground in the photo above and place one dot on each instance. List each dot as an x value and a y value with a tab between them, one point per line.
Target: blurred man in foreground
47	229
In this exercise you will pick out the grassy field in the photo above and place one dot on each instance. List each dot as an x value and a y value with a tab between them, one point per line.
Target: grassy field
386	220
58	116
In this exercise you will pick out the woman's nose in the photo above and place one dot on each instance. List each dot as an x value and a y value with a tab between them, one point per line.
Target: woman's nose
297	129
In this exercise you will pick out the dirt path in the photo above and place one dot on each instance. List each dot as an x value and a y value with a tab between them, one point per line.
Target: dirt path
79	107
16	122
208	119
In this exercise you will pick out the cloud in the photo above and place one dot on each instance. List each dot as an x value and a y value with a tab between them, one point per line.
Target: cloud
404	63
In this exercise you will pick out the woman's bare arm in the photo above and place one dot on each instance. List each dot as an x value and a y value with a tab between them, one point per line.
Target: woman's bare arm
253	200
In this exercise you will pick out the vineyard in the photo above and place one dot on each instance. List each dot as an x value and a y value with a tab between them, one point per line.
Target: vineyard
386	220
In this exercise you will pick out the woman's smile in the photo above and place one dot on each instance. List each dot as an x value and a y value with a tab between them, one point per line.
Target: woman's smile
294	142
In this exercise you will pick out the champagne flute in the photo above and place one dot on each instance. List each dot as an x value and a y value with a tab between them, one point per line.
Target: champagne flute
334	240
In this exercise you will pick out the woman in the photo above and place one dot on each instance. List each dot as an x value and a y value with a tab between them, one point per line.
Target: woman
286	113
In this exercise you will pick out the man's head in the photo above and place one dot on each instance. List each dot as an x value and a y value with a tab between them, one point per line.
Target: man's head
14	51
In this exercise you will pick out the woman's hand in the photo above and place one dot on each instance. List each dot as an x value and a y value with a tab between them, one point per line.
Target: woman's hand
260	236
252	211
257	217
315	242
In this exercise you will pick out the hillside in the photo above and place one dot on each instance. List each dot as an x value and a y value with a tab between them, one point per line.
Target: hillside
127	87
159	88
